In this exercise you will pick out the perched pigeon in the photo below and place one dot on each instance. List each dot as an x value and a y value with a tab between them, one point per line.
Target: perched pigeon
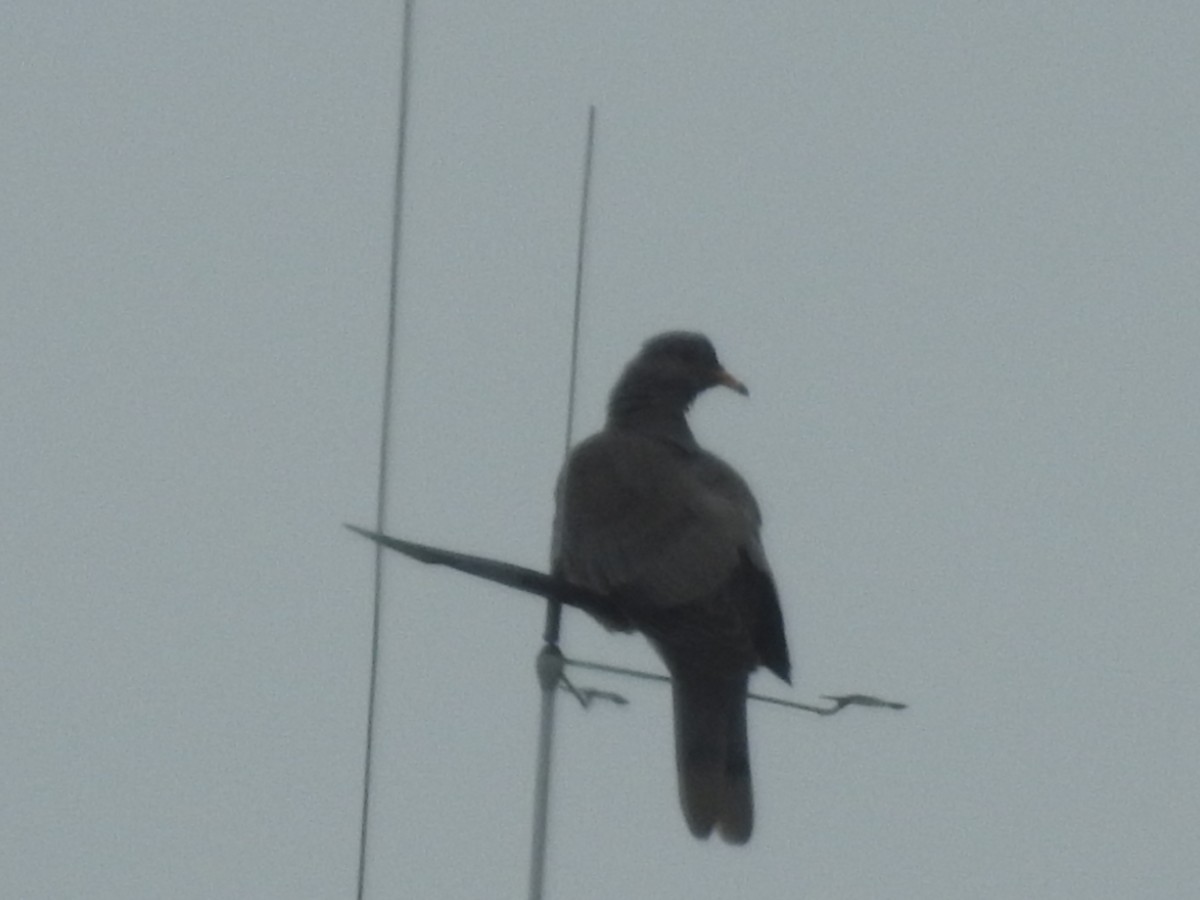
669	534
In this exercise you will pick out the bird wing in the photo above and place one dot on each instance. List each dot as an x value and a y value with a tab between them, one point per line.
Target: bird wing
753	588
642	517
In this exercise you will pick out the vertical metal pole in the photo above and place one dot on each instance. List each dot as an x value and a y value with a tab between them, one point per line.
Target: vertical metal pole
384	436
550	661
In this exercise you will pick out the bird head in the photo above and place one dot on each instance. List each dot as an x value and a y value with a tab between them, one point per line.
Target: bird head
660	383
683	361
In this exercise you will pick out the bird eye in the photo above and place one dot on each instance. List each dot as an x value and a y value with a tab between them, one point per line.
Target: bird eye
700	355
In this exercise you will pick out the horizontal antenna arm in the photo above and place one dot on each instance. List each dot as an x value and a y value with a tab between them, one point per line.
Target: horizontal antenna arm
510	575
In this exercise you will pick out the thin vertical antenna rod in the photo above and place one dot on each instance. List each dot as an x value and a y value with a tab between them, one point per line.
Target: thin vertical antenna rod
385	432
550	660
554	608
583	220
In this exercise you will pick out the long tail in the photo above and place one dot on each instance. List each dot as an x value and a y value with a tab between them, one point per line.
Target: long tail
713	757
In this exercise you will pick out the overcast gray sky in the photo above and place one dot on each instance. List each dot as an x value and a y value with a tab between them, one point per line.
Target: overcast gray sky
951	247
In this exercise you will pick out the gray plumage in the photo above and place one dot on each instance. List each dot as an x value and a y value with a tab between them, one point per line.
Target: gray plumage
669	534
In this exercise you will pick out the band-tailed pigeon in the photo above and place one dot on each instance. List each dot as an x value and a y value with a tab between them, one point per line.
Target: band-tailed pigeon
670	533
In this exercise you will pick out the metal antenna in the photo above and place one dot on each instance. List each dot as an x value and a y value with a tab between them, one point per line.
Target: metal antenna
385	433
550	659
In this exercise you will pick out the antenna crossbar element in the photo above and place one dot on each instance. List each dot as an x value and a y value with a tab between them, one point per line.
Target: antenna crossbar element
564	593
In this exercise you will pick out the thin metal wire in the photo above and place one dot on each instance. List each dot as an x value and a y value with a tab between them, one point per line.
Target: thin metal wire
385	434
550	660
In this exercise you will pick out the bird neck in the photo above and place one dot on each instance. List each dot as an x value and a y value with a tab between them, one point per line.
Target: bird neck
651	414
